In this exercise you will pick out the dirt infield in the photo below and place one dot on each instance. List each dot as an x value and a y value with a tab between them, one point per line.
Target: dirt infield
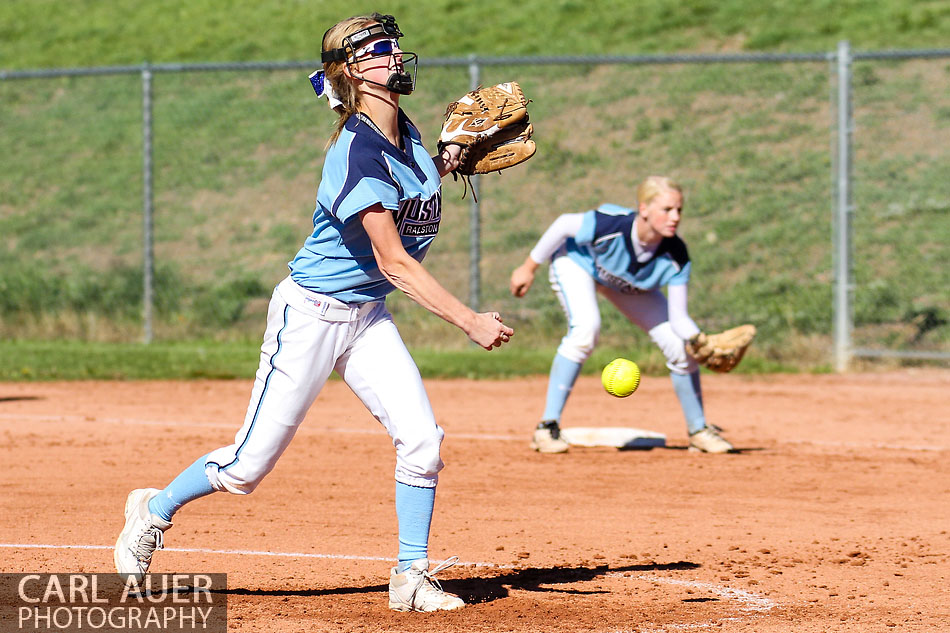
833	517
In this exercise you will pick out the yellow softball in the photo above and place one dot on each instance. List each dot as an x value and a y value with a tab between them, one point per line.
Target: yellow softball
621	377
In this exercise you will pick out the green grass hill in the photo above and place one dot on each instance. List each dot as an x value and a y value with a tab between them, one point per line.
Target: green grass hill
51	33
238	157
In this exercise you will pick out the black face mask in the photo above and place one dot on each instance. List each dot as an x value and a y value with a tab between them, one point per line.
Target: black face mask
399	82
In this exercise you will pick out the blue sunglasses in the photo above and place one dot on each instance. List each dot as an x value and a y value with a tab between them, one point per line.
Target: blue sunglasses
377	48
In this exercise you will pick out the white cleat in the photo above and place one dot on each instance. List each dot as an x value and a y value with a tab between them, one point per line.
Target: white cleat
547	438
416	589
708	440
140	537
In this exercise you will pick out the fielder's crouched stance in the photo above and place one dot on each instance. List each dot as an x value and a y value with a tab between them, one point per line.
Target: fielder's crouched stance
378	209
626	255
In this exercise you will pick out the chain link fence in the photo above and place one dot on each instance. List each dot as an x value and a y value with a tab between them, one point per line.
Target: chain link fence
164	201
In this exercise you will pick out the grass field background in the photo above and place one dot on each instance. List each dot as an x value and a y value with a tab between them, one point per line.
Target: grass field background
238	157
48	33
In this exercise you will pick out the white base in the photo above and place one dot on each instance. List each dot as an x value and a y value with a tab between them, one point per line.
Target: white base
616	436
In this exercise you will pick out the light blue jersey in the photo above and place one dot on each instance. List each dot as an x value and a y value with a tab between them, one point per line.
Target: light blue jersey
604	247
362	169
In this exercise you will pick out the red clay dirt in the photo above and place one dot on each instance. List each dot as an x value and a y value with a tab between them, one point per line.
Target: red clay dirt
834	516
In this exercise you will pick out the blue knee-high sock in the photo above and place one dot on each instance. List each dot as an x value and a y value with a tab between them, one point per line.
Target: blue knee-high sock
691	399
414	506
564	374
191	484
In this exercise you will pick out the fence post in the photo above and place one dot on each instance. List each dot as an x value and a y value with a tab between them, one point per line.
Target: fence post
842	226
475	278
147	198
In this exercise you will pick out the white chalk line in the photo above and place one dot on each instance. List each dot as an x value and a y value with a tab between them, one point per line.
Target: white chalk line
748	601
751	605
238	552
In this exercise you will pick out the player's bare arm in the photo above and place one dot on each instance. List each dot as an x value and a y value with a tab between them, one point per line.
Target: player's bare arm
404	272
567	225
523	276
448	159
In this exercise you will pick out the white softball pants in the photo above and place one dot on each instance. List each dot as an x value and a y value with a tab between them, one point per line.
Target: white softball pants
577	290
309	335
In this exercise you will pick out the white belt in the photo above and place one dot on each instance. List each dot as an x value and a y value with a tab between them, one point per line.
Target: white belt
321	306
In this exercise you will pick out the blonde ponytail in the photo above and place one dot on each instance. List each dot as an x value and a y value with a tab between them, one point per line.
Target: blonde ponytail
344	88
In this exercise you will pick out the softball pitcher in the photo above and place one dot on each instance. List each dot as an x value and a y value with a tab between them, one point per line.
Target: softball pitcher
378	209
628	256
